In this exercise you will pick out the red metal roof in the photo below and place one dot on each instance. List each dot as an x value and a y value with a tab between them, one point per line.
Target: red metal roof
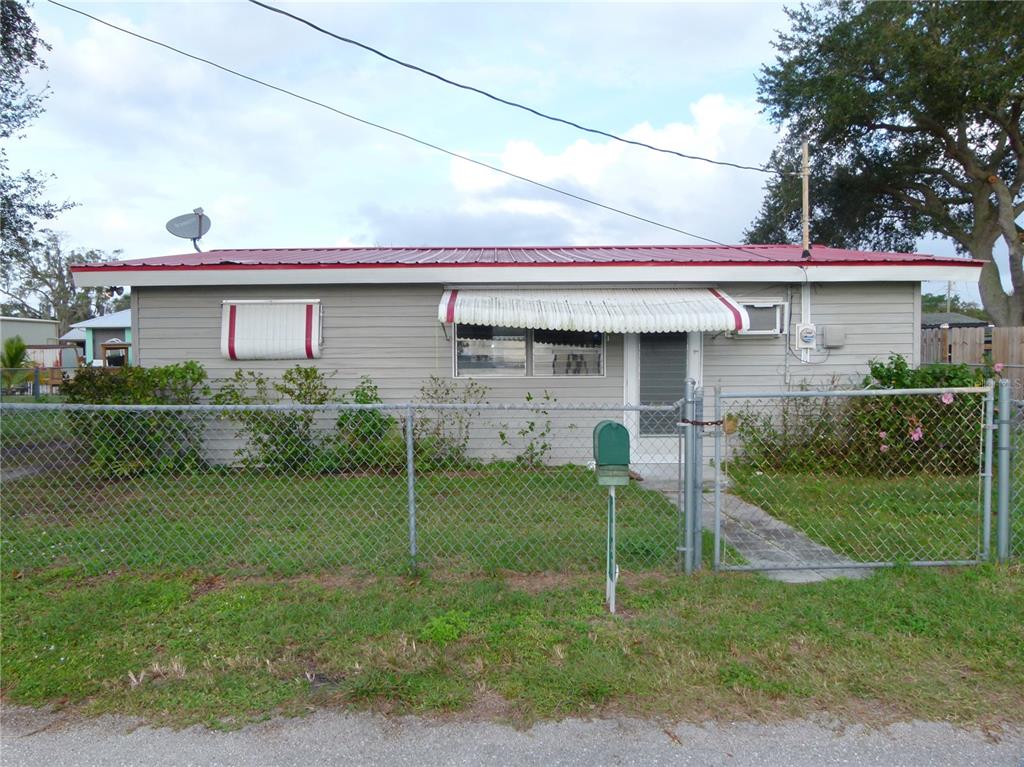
633	255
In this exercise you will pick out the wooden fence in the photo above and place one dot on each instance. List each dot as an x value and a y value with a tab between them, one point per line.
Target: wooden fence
977	346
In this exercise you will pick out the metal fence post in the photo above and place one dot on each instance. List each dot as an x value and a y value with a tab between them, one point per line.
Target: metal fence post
410	471
681	545
986	492
697	479
719	431
35	383
1003	490
689	453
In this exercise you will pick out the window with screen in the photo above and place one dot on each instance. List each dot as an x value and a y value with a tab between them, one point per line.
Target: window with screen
271	329
482	350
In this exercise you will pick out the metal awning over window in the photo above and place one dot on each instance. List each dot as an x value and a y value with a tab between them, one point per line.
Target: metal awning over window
604	310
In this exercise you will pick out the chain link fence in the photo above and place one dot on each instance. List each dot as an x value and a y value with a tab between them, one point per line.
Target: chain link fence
852	479
797	480
288	489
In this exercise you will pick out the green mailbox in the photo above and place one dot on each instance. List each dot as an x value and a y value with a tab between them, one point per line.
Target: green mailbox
611	453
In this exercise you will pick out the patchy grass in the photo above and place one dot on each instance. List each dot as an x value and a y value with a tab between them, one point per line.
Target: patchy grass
178	648
499	516
870	519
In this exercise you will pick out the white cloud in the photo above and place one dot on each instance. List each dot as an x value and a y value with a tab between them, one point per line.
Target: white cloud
715	201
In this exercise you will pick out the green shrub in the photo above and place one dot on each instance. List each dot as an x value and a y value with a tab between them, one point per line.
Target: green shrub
122	443
368	440
442	436
896	373
870	436
276	441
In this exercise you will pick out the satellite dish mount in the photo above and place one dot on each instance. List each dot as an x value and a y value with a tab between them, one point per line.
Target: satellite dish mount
190	226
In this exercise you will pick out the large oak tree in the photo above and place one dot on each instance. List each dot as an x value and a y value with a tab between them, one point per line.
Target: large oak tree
913	110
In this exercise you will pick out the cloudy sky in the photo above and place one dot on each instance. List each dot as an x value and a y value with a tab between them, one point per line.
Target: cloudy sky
137	134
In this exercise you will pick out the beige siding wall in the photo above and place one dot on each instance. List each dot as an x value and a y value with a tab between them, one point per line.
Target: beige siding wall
388	333
392	335
879	319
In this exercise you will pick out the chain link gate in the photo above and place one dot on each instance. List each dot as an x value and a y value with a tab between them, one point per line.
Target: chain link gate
1010	485
848	480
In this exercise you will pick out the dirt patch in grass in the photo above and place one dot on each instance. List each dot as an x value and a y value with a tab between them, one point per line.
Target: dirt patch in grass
537	583
488	706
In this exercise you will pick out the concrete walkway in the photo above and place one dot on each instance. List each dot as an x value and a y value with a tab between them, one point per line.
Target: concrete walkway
35	739
764	541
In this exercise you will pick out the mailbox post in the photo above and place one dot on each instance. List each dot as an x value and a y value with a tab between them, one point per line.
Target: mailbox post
611	462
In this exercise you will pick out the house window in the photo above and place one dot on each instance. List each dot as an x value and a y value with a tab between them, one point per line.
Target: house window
766	319
482	350
271	330
488	351
567	353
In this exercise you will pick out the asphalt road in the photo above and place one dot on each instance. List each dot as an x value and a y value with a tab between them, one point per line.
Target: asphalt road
30	738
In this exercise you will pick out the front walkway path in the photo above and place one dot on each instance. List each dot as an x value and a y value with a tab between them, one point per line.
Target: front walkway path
764	541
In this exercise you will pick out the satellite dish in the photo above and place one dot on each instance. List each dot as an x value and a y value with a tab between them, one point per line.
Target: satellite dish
190	226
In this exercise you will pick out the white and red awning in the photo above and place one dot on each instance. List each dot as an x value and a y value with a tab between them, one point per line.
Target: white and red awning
605	310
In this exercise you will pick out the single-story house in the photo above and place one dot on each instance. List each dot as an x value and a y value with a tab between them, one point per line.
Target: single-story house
586	324
107	339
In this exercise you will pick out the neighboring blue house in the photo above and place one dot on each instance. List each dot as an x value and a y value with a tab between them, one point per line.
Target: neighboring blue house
108	339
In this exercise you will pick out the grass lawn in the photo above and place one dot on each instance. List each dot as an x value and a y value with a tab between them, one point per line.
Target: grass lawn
180	647
30	427
918	517
500	516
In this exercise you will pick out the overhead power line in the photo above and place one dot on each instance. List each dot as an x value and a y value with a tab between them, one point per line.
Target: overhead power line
500	100
408	137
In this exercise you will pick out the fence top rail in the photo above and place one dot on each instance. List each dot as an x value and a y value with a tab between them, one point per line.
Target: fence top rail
856	392
400	407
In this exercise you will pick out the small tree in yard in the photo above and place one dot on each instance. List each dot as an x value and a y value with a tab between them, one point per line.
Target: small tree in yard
14	359
914	113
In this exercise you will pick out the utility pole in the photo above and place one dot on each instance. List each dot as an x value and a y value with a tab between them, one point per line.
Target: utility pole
805	217
805	220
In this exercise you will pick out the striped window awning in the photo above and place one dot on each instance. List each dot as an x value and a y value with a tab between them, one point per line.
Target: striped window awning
605	310
270	330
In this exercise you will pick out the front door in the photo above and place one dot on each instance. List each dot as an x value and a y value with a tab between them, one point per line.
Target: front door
657	366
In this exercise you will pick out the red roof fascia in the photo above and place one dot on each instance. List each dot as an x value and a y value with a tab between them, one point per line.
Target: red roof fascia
106	267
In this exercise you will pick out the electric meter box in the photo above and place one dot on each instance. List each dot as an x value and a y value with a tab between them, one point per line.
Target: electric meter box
806	336
611	453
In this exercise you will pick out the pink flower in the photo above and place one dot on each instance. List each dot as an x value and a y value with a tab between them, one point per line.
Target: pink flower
947	398
883	448
998	367
917	434
882	435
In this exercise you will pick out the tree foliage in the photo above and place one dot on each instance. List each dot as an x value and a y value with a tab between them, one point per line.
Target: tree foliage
39	284
932	303
913	110
23	206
